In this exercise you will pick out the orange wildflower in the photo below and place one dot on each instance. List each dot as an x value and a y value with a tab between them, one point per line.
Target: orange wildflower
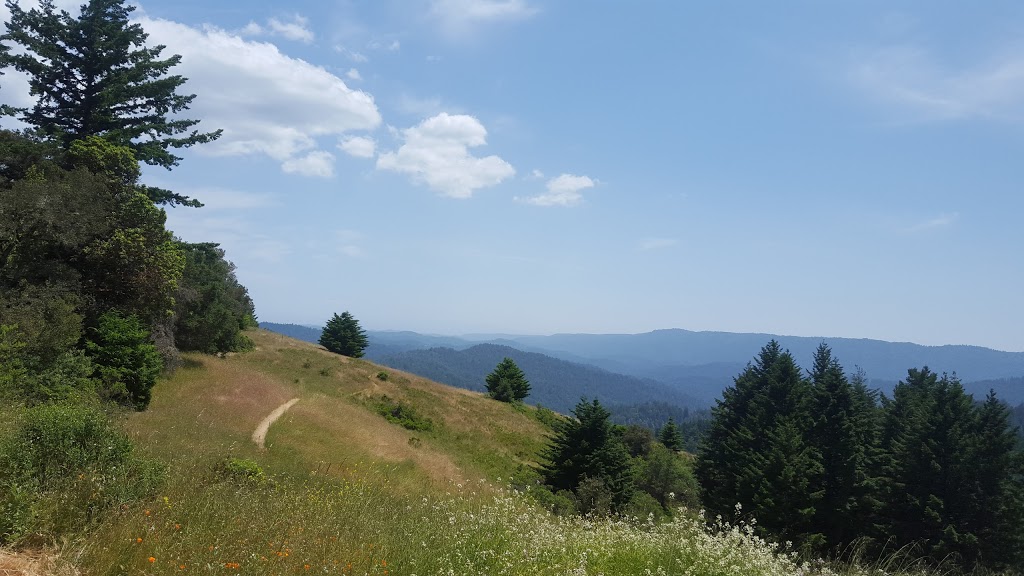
152	559
138	540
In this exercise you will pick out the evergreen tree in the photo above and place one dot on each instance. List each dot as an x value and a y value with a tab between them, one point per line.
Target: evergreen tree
998	498
94	75
669	436
931	494
755	453
342	335
586	448
507	383
842	433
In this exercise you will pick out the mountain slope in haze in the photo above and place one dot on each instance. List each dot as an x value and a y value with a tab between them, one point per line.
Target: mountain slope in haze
556	384
881	360
701	364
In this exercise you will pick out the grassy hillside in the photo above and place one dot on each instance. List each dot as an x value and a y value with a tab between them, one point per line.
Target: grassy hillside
341	489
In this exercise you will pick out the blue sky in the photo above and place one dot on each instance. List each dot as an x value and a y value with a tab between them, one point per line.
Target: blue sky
521	166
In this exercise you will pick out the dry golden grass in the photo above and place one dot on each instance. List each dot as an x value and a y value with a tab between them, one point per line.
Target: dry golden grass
32	563
214	404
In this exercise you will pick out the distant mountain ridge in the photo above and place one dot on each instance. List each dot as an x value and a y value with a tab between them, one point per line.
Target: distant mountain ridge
701	364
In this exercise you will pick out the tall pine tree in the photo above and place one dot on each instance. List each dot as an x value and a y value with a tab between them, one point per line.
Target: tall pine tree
755	453
93	75
842	432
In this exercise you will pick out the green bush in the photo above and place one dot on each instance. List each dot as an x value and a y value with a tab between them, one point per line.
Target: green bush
241	471
62	466
403	414
382	376
127	361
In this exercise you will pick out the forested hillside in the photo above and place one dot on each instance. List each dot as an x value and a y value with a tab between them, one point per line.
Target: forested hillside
555	384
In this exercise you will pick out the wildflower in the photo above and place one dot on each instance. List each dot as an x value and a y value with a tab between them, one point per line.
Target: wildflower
152	559
138	540
146	512
306	566
177	526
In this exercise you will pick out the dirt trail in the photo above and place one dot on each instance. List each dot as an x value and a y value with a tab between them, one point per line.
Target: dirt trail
260	435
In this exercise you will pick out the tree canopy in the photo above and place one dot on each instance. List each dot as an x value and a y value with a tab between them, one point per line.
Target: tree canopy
93	75
507	382
342	335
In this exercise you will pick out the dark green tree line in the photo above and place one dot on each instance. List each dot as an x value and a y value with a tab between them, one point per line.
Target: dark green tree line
817	460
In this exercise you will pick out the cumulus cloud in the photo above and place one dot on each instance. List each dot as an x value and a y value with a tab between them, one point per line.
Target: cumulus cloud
436	152
563	190
353	74
358	146
910	77
266	102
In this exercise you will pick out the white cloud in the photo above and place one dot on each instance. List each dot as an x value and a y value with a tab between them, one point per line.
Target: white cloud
536	174
657	243
358	146
296	30
910	77
461	15
940	221
436	152
353	74
563	190
266	102
316	163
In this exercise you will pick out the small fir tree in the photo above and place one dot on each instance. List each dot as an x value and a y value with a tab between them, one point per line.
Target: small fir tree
586	451
507	383
342	335
670	436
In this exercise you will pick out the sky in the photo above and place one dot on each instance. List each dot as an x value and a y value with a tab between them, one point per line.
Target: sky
845	168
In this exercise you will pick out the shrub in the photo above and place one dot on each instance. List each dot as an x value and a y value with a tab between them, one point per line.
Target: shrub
63	465
403	414
382	376
241	471
127	362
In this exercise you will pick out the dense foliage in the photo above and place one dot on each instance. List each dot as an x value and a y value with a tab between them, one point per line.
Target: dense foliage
342	335
94	290
605	468
820	461
507	383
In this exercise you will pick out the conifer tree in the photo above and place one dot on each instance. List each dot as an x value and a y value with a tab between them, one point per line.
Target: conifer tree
928	440
842	432
586	447
342	335
507	383
755	453
670	436
93	75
